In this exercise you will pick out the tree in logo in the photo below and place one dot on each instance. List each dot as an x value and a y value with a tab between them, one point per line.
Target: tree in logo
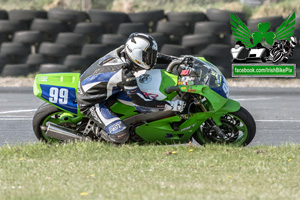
263	35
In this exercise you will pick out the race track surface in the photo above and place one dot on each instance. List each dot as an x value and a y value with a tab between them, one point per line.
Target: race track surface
275	110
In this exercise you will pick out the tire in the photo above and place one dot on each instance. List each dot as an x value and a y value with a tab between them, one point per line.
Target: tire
217	51
103	16
16	70
71	39
215	28
67	15
128	28
223	15
4	37
3	14
171	28
4	59
15	49
54	49
245	119
28	37
26	15
95	51
277	57
147	16
10	26
186	17
91	28
199	40
112	39
36	59
53	68
274	21
40	118
48	26
161	39
77	62
175	50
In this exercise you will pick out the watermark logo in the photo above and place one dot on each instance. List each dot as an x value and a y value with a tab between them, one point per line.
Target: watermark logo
263	52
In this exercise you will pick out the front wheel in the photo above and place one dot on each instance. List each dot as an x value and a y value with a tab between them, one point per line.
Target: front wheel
239	129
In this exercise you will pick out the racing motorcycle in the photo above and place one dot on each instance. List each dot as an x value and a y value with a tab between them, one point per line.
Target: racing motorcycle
209	116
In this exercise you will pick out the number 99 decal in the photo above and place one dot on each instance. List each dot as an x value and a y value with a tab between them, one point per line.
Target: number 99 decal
58	95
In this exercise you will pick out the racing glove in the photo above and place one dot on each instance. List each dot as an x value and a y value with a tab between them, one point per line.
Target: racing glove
176	105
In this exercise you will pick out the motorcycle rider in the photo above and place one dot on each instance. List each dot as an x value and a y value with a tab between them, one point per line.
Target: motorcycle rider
114	73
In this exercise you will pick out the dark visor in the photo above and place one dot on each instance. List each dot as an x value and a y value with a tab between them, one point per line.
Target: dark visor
150	57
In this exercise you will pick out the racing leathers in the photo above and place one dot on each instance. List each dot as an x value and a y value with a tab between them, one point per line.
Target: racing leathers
108	76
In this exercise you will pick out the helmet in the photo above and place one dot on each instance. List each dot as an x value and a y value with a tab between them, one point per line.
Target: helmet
141	50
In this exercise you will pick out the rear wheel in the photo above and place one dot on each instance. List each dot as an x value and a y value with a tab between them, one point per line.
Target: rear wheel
239	129
47	113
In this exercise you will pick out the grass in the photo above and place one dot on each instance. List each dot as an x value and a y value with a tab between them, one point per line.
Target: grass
102	171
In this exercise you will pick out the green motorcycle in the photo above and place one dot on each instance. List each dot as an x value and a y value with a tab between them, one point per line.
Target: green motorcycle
209	115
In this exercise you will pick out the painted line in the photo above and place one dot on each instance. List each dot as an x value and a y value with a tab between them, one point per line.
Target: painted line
17	111
17	119
278	120
252	99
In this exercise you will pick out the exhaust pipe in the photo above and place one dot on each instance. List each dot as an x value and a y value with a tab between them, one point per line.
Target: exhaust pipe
63	133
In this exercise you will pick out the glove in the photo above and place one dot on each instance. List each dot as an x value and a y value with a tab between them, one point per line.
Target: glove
176	105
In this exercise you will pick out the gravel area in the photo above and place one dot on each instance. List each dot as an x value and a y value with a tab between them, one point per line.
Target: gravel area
236	82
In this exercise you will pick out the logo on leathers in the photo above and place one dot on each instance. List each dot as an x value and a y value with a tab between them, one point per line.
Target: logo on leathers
145	79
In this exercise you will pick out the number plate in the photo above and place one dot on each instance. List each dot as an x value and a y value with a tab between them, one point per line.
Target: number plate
64	97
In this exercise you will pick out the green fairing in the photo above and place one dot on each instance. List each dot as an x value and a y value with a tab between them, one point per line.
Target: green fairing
56	79
157	130
168	79
126	111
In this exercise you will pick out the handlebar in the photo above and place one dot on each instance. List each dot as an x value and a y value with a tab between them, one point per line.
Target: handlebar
187	60
173	64
171	89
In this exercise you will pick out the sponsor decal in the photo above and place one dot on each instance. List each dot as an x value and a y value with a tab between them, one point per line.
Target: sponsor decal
137	61
189	127
150	95
114	127
43	78
145	78
265	52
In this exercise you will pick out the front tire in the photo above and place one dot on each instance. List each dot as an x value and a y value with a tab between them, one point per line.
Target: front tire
239	128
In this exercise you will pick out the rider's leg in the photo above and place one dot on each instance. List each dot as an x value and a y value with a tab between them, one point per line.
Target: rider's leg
113	129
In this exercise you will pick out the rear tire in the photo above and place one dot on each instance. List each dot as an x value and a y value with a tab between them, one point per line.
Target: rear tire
241	134
40	117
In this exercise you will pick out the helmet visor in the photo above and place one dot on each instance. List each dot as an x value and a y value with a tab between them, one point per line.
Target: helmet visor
150	57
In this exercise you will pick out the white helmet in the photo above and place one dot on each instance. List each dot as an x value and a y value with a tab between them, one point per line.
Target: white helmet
141	50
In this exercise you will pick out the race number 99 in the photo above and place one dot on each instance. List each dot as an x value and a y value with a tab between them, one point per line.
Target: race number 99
58	95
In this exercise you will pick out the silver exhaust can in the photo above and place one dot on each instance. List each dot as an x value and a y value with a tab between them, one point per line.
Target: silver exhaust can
63	133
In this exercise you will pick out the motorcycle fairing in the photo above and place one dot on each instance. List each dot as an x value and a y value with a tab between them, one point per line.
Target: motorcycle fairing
58	89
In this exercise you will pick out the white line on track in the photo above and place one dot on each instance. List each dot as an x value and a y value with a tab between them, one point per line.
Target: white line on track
278	120
17	111
16	119
252	99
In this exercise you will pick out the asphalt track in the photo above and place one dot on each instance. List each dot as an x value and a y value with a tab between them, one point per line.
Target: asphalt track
275	110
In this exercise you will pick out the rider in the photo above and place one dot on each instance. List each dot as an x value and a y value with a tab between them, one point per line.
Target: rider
114	73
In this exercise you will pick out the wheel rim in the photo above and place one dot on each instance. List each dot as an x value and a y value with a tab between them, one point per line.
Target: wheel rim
234	128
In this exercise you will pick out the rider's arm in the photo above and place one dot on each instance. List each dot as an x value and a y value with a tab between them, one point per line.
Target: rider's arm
165	59
132	90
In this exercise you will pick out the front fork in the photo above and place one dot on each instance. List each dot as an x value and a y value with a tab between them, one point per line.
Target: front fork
212	123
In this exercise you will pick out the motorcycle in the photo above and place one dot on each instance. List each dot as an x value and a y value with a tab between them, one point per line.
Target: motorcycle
209	116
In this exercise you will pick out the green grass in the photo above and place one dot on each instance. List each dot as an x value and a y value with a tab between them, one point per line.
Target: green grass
102	171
